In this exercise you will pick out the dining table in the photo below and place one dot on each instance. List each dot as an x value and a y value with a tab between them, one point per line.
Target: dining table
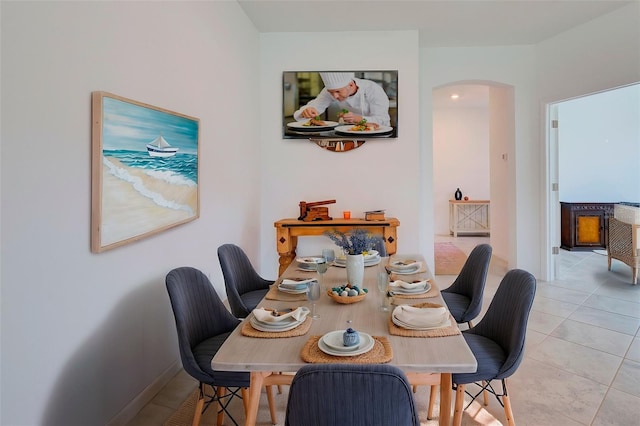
427	358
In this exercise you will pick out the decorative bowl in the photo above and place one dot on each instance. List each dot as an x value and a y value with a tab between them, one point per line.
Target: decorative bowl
346	299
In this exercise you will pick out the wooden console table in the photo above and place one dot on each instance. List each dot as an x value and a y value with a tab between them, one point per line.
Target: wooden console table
288	231
469	217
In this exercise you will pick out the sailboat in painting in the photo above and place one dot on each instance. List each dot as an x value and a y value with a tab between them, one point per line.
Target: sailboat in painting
161	148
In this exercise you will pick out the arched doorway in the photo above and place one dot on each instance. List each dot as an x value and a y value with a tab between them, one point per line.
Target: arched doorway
473	149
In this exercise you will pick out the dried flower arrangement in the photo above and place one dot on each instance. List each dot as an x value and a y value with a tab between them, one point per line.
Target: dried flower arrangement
358	241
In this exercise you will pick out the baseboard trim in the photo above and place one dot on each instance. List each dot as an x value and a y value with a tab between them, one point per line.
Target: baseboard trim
144	397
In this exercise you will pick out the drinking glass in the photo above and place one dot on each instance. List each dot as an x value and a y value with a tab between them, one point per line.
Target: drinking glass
313	294
329	255
321	268
383	283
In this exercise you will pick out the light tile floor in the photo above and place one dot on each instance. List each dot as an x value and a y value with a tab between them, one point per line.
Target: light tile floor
582	359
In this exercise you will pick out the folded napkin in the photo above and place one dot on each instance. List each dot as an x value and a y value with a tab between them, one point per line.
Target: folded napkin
295	282
266	314
409	286
420	317
402	265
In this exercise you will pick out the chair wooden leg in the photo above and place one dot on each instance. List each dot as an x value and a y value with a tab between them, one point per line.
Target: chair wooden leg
459	405
635	276
507	410
485	394
609	263
198	413
415	388
272	405
245	400
432	400
220	418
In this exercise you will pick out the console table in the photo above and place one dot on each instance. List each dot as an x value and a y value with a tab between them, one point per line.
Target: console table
469	217
288	231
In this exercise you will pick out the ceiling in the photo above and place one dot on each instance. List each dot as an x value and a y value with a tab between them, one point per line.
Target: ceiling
450	23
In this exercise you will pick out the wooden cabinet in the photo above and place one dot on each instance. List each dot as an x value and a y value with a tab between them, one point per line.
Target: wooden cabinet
469	217
584	226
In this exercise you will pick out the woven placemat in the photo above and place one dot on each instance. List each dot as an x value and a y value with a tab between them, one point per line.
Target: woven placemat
248	330
275	294
433	292
380	353
452	330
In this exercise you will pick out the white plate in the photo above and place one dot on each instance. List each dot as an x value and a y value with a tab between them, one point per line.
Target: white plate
347	129
311	260
300	125
446	322
334	341
292	290
366	344
401	290
260	326
343	264
404	264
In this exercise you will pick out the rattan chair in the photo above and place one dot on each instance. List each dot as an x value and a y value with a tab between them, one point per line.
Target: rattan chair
622	245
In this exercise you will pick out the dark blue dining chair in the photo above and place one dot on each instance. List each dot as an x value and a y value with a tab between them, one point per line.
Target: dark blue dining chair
464	296
351	394
245	288
203	324
497	342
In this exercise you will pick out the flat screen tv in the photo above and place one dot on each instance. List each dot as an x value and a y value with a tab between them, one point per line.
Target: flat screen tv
340	104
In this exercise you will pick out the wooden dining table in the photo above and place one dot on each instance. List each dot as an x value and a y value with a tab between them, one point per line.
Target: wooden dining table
425	360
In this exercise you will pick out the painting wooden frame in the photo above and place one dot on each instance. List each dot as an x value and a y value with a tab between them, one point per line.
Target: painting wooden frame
144	170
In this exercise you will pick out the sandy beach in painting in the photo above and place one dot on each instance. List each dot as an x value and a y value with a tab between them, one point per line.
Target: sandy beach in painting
134	203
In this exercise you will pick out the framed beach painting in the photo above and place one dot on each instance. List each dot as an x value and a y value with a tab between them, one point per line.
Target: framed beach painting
144	171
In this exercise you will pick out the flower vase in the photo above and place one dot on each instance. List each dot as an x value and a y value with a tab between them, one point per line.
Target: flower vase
355	269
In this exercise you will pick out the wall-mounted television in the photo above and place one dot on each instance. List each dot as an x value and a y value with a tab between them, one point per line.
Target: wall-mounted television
340	104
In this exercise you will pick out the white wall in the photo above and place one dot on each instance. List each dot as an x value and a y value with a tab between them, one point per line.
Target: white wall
599	147
84	334
599	55
513	66
461	150
382	174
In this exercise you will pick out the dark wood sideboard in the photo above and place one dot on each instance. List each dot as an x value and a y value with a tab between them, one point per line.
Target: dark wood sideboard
584	226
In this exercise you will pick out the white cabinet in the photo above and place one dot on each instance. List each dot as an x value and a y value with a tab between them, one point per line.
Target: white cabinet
469	217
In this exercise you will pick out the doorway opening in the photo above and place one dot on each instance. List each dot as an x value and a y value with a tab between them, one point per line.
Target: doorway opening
473	150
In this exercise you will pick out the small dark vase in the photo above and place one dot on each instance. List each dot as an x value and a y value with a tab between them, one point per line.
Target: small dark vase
458	194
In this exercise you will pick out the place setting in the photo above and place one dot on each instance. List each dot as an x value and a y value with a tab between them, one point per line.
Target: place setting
348	345
405	267
422	320
412	289
371	258
309	263
282	322
292	289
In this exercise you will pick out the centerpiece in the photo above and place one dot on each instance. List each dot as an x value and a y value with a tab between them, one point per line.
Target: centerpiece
355	246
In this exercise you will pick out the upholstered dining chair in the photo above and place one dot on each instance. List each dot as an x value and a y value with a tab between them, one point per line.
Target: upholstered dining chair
203	324
380	247
245	288
464	296
497	342
350	394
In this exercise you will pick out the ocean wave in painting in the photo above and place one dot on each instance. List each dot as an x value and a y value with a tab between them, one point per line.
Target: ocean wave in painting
142	188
